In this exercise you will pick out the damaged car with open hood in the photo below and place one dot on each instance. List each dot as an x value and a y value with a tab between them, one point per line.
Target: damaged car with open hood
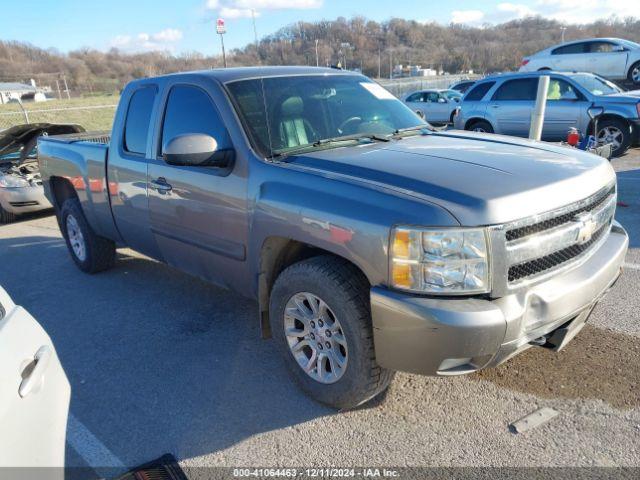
21	188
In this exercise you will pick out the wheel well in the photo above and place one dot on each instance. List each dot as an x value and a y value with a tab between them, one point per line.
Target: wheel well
471	121
62	190
607	116
633	65
277	254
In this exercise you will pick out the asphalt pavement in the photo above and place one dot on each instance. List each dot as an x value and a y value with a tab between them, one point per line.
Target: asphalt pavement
161	362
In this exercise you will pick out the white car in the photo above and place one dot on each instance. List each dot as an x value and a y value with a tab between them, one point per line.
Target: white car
612	58
34	394
435	106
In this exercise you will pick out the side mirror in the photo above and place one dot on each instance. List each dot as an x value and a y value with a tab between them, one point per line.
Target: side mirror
196	150
442	100
594	112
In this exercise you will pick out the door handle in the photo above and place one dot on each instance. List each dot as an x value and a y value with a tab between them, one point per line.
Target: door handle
34	378
160	185
495	106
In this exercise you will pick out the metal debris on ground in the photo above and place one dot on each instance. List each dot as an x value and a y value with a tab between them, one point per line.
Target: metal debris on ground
533	420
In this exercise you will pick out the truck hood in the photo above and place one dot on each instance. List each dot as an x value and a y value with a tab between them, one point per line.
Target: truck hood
481	179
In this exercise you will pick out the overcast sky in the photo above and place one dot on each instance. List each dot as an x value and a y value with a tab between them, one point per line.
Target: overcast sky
188	25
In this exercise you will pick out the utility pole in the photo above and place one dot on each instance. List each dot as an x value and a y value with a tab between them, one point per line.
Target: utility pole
221	30
317	58
66	87
379	63
390	65
564	29
255	32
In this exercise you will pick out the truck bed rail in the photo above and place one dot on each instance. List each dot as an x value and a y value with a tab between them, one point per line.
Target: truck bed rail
103	137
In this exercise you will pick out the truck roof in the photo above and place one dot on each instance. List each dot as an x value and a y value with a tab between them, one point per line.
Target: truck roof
243	73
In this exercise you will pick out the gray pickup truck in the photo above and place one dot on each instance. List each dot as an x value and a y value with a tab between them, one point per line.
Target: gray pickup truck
371	242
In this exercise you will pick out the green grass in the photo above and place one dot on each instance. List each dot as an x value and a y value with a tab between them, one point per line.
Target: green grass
93	113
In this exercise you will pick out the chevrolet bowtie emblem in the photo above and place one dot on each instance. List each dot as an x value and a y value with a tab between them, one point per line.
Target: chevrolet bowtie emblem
587	226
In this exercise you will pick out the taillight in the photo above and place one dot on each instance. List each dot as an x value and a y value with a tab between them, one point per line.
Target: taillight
524	62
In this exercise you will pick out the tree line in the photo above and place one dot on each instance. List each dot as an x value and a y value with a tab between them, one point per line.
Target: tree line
373	47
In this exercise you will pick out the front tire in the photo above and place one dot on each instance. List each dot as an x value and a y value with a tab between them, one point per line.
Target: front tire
481	126
321	322
617	132
91	252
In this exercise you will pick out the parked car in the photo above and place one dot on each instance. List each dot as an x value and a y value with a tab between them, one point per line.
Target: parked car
34	398
462	86
20	185
436	106
612	58
371	242
503	104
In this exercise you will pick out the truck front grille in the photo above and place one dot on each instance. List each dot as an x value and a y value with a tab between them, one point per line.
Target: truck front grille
517	233
553	260
532	248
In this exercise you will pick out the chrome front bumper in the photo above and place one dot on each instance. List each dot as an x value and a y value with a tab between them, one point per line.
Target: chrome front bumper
23	200
452	336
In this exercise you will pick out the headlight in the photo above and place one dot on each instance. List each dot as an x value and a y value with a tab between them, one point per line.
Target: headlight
12	181
447	261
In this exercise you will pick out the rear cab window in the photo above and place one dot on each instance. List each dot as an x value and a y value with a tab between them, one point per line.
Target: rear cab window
478	92
136	127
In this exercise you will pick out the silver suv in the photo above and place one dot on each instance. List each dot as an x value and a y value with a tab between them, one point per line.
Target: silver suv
504	103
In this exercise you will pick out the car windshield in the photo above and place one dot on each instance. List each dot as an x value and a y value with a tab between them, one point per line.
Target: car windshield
291	114
596	85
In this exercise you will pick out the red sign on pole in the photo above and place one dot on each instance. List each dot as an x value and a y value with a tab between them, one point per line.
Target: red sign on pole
220	28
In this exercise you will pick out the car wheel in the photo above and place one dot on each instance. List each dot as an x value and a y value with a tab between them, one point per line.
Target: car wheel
480	126
321	321
91	253
634	74
617	133
6	217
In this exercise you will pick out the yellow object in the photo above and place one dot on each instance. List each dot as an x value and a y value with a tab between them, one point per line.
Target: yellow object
402	275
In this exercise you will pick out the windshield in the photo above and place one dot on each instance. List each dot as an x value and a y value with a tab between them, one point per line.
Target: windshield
595	85
284	114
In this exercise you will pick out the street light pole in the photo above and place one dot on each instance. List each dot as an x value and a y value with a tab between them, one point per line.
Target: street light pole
317	58
255	32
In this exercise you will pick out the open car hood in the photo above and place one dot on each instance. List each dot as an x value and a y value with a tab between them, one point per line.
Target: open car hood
12	140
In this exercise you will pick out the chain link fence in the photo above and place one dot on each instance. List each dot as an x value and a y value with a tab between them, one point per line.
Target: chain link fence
401	86
91	113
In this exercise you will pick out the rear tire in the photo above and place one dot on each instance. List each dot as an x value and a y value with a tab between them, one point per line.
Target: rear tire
91	252
343	294
634	74
6	217
616	131
480	126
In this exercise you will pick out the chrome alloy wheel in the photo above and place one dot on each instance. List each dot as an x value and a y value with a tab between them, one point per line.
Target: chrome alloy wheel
612	135
315	337
76	239
635	74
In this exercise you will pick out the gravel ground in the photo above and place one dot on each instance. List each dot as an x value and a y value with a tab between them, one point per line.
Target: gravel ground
161	362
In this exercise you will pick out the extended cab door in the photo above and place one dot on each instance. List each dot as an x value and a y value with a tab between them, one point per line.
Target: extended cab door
34	393
197	213
127	166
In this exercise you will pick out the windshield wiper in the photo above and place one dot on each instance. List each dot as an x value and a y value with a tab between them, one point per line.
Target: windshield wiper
423	129
328	141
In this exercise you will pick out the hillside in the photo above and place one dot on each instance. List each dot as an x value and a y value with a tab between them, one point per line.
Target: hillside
372	45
